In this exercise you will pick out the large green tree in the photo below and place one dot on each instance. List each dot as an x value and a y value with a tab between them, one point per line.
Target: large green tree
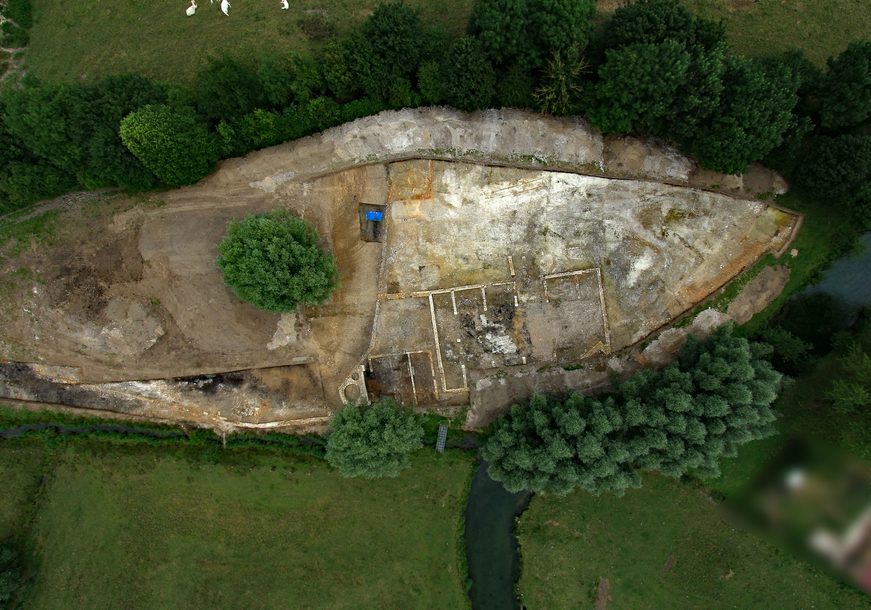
390	45
228	88
528	32
665	88
717	396
654	22
837	167
173	144
372	440
468	81
273	262
754	112
844	96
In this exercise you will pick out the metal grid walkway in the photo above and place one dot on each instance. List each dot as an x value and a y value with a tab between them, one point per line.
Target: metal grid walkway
443	436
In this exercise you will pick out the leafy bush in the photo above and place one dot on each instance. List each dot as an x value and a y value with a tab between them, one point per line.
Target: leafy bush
515	88
388	46
276	78
662	88
655	21
13	36
754	112
372	441
468	81
227	88
845	91
23	183
273	262
717	396
851	392
837	166
359	108
528	32
10	573
19	11
429	83
561	84
174	145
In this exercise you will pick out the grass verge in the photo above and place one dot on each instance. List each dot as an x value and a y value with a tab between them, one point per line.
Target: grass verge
759	28
663	546
132	528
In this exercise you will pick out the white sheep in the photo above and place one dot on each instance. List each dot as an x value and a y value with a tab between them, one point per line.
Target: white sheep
225	7
192	8
284	5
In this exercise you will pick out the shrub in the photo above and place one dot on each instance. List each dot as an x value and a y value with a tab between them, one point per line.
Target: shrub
468	81
359	108
10	574
527	32
13	36
388	46
429	83
516	88
174	145
227	88
276	78
663	88
654	21
845	92
837	166
273	262
19	11
372	441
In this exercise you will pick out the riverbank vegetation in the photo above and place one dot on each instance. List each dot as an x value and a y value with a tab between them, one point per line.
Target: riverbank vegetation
134	526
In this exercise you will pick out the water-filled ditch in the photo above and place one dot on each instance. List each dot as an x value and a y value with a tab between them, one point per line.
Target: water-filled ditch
492	550
849	278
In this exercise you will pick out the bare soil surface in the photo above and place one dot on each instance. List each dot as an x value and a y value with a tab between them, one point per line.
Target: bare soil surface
124	296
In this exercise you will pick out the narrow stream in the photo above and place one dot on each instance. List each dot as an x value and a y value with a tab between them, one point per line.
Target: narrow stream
491	548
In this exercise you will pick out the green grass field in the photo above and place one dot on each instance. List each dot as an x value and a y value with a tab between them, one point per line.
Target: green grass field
21	470
820	28
661	547
130	527
89	39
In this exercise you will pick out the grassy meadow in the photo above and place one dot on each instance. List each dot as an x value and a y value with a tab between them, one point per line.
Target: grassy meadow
661	547
821	28
89	39
135	527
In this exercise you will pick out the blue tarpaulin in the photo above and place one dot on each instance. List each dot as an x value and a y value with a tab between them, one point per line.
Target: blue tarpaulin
374	215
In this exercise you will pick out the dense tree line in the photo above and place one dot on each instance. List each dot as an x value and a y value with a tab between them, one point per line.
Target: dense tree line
715	397
651	68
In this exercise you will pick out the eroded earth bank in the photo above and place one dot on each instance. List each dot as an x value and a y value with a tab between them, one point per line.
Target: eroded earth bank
515	253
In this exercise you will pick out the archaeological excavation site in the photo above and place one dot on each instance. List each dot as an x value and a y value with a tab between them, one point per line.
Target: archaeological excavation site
483	257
